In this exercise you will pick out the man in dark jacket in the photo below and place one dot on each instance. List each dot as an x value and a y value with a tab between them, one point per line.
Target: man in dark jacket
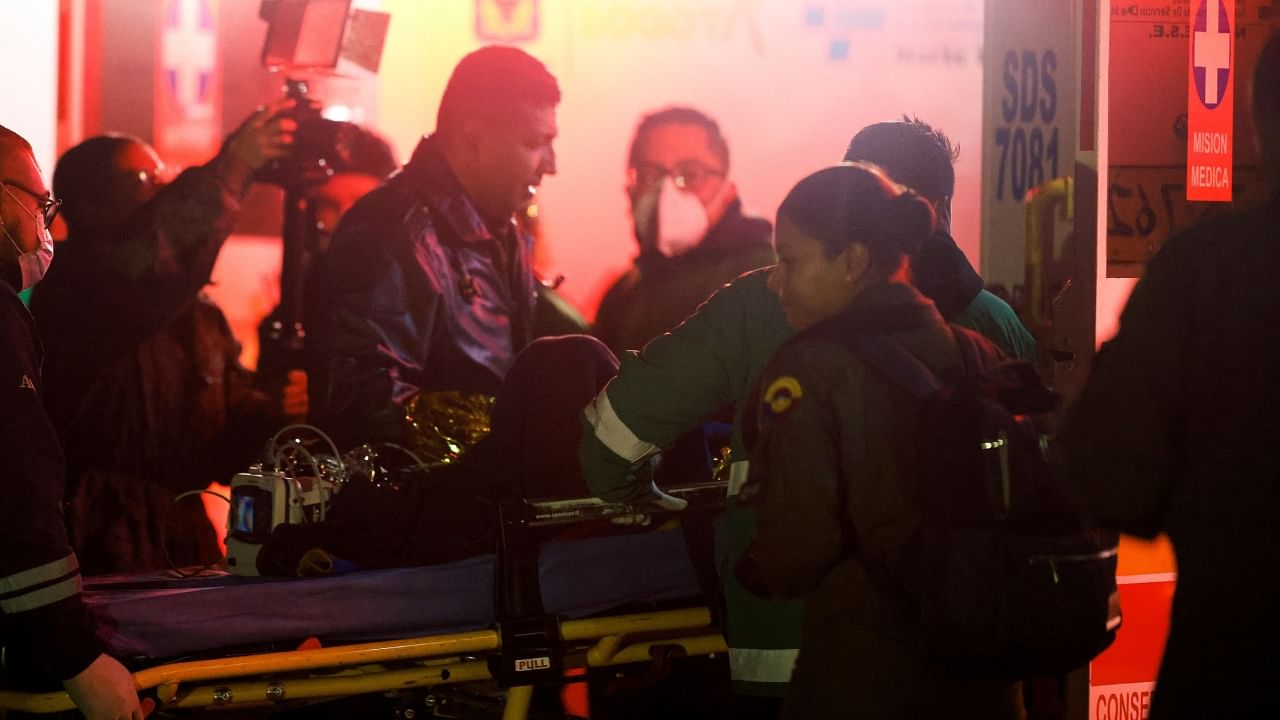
689	226
428	285
1176	432
923	158
42	616
145	386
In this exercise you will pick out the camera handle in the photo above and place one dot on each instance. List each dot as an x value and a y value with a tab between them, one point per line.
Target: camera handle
281	334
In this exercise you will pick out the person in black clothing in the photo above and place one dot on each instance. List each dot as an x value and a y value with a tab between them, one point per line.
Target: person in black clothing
145	386
1176	432
428	285
42	614
689	226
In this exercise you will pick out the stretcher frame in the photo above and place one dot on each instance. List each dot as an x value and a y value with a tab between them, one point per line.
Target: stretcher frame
348	670
327	673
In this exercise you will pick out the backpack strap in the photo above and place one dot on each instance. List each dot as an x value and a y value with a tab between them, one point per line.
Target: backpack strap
892	360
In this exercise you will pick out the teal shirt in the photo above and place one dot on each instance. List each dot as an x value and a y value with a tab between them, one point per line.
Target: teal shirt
992	318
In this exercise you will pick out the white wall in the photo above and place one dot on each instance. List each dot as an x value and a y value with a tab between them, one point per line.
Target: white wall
29	83
770	71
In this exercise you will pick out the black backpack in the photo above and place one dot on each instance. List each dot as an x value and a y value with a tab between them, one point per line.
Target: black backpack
1008	578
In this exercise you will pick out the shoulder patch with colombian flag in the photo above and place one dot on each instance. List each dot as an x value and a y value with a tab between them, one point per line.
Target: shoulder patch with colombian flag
782	393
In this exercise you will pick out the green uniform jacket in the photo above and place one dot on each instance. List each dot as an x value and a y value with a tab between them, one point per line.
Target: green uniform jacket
829	472
712	361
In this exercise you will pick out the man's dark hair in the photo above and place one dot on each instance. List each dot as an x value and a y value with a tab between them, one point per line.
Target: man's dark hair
488	82
679	116
82	171
913	152
364	151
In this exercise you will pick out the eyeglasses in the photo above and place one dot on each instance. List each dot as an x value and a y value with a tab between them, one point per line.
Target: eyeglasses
689	175
48	205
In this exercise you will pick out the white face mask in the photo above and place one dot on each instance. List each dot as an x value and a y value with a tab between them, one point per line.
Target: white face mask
679	215
34	264
682	220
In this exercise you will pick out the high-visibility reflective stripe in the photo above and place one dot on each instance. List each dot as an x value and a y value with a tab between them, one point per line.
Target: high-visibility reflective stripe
761	665
39	575
614	433
737	476
47	595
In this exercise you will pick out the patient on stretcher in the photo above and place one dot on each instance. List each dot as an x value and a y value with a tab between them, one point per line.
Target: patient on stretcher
409	516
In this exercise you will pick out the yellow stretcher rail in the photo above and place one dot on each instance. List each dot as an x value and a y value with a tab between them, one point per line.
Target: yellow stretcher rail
1054	198
359	669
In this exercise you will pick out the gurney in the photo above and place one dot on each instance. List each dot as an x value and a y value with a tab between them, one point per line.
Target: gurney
528	615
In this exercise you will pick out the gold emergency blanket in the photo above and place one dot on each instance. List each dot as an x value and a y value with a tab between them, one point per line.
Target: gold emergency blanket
443	425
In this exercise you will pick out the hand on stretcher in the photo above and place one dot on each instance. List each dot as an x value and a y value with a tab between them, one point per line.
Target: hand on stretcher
659	500
106	691
639	512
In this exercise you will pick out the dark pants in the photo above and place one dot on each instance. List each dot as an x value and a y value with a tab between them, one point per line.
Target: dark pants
532	450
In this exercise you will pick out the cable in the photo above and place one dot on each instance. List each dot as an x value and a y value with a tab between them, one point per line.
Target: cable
164	545
298	449
274	444
189	493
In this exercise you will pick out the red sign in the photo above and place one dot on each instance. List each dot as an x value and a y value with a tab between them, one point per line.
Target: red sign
1211	101
188	83
1122	678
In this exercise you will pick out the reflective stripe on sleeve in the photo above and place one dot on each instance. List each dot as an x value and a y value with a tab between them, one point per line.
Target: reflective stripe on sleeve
46	595
761	665
39	575
614	433
737	477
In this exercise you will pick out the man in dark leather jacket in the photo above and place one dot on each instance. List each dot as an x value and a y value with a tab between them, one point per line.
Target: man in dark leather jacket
428	284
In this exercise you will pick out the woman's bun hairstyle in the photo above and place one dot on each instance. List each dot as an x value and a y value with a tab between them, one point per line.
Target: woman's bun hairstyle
913	222
857	202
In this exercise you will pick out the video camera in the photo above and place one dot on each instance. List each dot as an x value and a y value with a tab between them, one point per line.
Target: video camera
317	37
304	38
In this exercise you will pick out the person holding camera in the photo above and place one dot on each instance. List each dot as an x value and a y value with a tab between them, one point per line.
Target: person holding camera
42	616
145	387
428	283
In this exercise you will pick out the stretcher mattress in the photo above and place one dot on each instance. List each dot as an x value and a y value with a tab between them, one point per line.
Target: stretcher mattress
160	618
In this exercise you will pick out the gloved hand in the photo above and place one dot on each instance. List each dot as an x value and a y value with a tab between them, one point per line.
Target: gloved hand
658	499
